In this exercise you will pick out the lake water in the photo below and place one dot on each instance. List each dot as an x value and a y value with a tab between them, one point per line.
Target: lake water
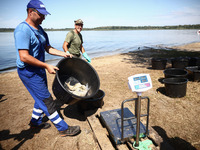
101	43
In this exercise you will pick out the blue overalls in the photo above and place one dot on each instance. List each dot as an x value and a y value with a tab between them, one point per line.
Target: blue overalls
35	80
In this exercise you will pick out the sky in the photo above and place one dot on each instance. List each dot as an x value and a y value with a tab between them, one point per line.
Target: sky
97	13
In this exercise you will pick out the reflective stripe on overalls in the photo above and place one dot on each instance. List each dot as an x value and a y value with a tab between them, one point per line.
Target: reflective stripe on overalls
35	80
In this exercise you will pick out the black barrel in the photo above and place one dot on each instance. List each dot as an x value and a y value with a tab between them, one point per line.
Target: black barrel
92	103
175	72
197	61
158	63
80	70
194	61
175	87
194	72
179	62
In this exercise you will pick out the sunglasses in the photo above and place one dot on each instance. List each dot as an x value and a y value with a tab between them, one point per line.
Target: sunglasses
41	15
79	25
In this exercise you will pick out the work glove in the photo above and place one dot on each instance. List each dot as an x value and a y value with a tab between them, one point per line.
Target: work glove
86	57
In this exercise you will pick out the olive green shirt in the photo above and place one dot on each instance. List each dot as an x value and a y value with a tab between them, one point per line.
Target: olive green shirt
74	41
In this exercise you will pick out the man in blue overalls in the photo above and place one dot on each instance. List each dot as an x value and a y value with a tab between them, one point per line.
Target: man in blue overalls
31	42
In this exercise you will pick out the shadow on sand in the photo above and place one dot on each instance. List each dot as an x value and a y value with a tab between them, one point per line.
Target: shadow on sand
2	100
23	136
144	56
74	111
176	142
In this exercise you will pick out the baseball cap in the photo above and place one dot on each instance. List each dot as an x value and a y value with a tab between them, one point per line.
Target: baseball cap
39	6
79	21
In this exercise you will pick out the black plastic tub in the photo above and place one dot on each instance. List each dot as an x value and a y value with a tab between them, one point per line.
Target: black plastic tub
159	63
197	61
180	62
175	73
80	70
175	87
194	72
92	103
194	61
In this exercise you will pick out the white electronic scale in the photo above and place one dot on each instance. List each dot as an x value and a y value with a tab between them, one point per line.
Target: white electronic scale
122	124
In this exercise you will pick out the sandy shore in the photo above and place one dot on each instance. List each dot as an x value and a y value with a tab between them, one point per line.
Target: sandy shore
189	47
175	119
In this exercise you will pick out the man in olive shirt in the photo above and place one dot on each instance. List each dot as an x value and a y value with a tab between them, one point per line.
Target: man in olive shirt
73	41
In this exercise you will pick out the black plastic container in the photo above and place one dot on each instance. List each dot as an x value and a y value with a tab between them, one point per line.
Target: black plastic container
194	61
194	72
175	73
159	63
197	61
180	62
80	70
175	87
92	103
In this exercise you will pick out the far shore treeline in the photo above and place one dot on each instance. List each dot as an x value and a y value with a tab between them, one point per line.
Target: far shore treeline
177	27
